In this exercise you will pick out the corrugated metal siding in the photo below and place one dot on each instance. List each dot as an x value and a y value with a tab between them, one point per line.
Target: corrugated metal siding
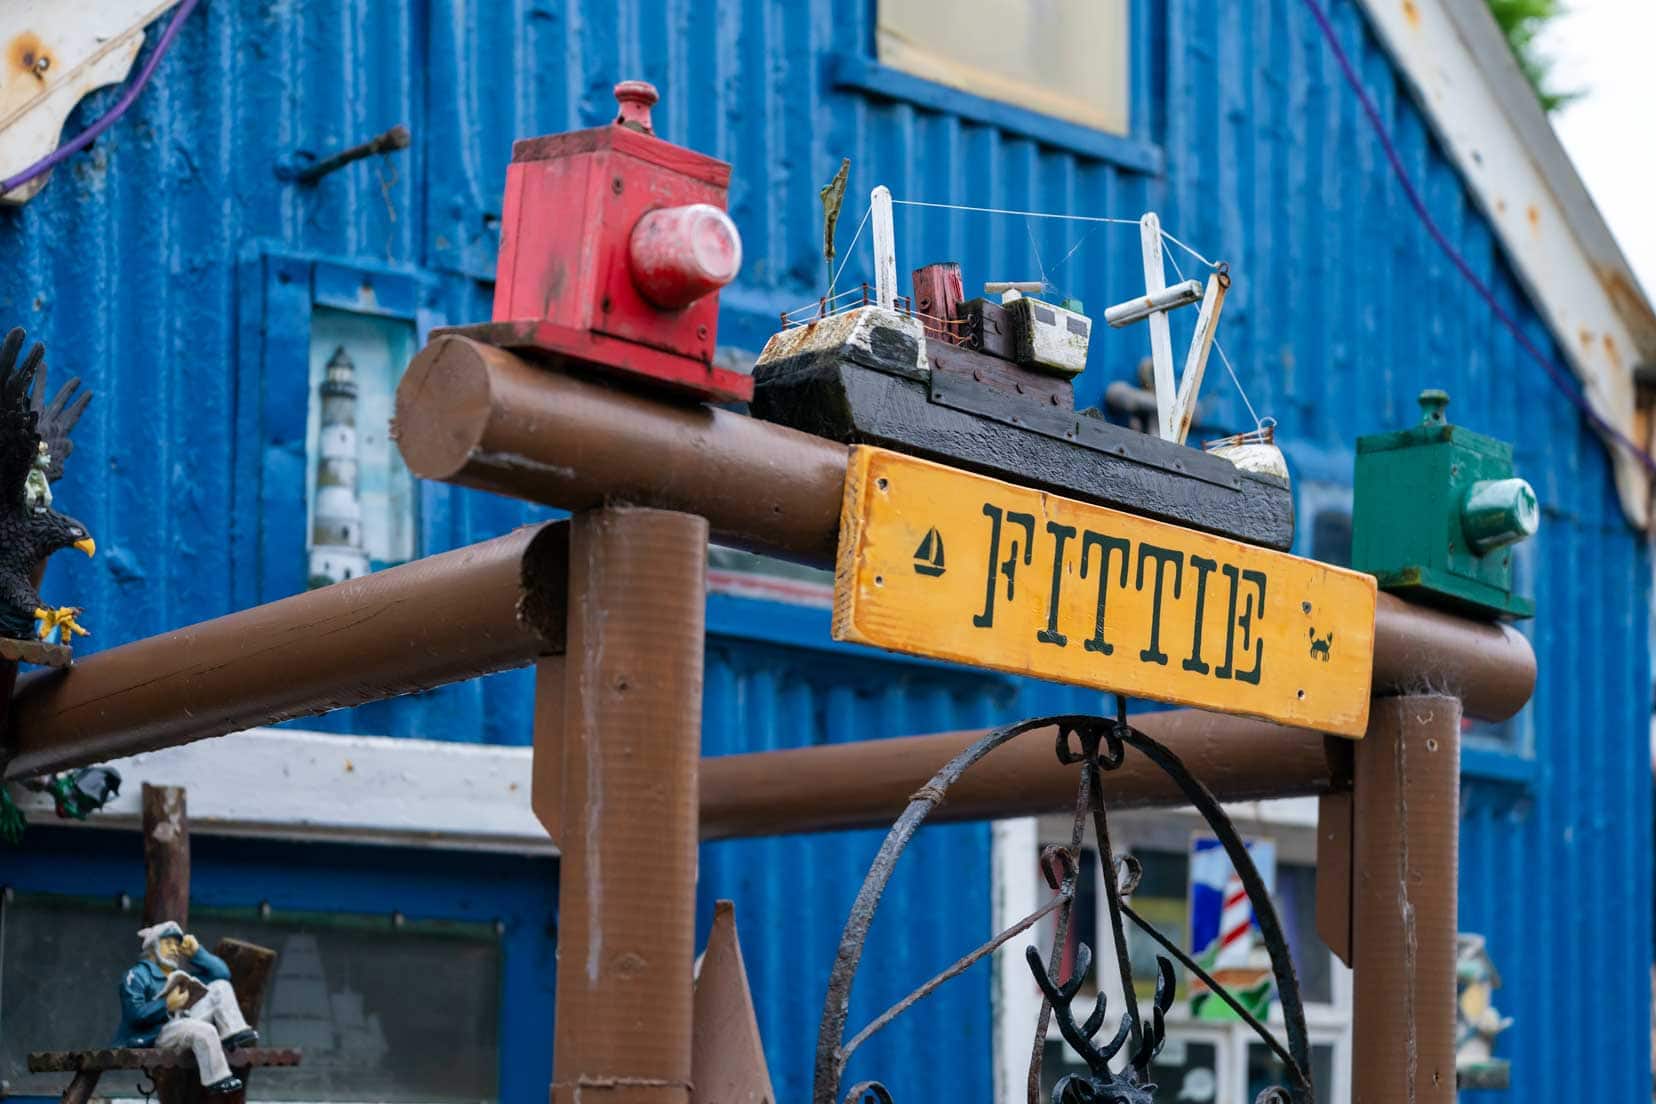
792	894
1342	310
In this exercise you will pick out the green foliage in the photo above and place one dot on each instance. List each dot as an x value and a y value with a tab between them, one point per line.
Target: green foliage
1522	21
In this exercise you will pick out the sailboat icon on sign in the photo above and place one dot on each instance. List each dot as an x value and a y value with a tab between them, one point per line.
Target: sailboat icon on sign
928	558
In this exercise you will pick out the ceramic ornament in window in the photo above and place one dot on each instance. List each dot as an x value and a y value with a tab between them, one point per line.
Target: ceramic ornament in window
34	442
179	997
337	552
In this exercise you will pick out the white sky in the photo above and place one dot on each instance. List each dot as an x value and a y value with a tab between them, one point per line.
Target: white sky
1608	47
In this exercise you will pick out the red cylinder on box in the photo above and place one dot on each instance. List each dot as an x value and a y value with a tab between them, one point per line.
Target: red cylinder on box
614	245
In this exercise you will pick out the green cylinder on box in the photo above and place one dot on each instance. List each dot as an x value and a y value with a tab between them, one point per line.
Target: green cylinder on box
1436	512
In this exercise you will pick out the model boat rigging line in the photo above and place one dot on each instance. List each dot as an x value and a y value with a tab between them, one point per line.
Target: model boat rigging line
986	384
1153	302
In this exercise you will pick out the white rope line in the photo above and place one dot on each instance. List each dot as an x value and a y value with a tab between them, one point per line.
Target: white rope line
1240	390
1050	215
1096	219
1073	248
846	256
1004	211
1225	360
1187	249
1033	244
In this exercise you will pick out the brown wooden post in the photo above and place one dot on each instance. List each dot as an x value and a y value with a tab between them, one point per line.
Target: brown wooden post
1405	856
81	1088
166	855
631	747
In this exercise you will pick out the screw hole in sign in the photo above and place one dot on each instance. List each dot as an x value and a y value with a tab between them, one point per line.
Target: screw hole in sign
1302	695
879	580
1431	744
882	483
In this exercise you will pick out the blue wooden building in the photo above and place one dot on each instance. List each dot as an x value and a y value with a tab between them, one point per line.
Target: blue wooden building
201	292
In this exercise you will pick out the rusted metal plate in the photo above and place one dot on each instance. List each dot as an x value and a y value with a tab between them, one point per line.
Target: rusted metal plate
944	563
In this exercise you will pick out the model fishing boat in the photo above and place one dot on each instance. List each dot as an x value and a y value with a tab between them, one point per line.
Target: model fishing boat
986	384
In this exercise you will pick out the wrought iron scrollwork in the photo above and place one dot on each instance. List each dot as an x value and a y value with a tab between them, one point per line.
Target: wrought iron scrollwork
1097	745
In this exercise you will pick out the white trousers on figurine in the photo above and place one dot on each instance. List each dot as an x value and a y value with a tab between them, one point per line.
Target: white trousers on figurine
214	1017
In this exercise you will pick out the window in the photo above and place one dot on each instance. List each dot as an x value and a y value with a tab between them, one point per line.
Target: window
1064	58
384	1010
321	492
1210	1057
360	498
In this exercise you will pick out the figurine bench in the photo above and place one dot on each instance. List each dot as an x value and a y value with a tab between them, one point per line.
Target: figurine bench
174	1071
89	1065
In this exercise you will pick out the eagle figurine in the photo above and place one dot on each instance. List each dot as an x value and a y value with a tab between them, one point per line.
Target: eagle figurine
34	442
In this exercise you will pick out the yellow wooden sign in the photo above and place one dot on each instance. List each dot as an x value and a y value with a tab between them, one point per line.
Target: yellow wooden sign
939	562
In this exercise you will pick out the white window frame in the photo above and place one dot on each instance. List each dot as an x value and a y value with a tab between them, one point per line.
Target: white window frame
936	55
1018	891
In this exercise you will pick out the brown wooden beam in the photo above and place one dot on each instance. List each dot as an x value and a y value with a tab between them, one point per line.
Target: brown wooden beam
869	783
482	417
409	628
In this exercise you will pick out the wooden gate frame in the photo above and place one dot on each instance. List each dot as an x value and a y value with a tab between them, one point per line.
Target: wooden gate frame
609	607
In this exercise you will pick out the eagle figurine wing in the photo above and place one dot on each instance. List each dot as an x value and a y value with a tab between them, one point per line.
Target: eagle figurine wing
57	419
19	432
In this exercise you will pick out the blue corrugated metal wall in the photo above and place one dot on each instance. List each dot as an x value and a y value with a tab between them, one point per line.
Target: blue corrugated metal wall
142	265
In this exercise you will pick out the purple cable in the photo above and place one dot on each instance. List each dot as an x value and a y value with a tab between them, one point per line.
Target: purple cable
109	118
1559	378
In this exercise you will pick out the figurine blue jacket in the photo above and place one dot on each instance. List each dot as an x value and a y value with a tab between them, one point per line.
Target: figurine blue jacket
143	1012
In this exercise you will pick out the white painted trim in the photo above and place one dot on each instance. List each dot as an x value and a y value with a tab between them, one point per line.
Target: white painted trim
885	248
1480	106
1161	335
1291	822
1015	883
286	784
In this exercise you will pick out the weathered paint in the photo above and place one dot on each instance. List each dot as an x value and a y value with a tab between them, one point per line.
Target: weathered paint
1499	139
402	791
53	54
938	562
173	270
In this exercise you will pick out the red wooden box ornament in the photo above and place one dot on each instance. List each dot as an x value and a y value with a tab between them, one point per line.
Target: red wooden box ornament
613	247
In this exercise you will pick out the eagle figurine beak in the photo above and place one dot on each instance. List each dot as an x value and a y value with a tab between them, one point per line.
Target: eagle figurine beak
86	545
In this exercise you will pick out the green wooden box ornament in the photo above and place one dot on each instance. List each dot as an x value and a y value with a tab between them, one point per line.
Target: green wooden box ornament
1437	511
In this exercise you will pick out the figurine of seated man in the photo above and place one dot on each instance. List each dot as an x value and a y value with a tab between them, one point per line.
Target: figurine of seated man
154	1013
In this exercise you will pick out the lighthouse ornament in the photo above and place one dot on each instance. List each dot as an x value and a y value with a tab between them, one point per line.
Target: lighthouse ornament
337	551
